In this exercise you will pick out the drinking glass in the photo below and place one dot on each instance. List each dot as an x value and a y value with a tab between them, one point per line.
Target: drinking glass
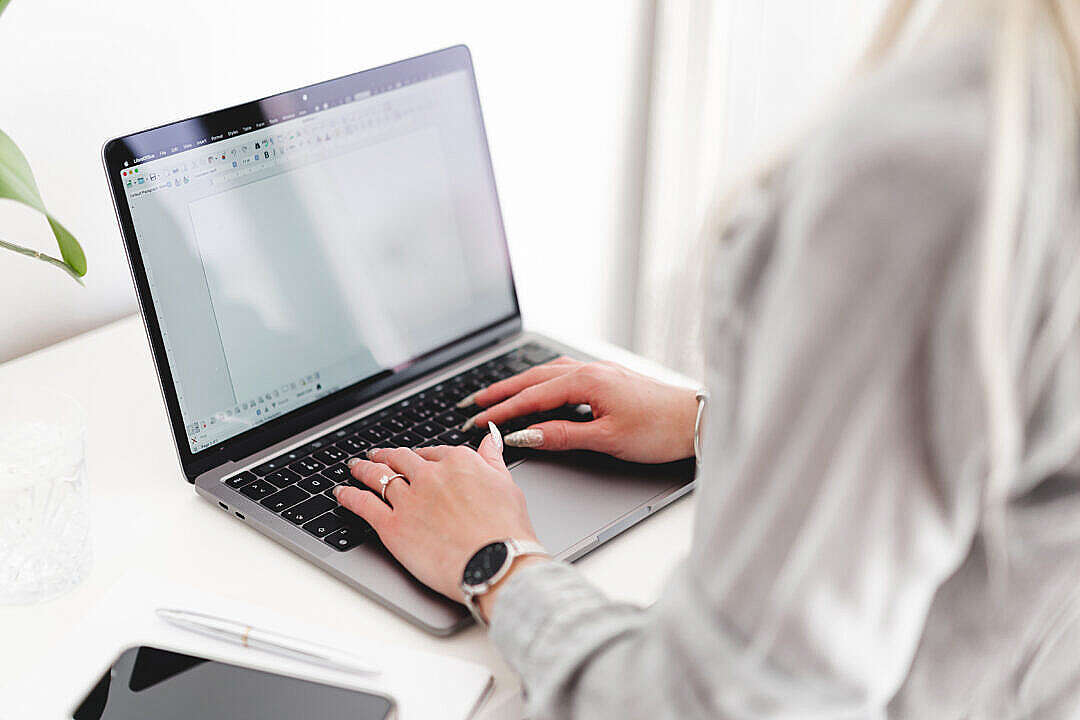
44	509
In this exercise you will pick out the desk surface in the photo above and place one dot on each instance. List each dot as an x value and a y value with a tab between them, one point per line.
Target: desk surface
145	515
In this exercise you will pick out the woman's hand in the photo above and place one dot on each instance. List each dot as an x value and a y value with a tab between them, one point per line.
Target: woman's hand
636	417
456	501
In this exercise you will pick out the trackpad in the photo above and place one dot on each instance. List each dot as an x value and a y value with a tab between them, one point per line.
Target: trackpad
571	496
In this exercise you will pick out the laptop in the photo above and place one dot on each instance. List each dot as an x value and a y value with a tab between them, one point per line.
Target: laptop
323	271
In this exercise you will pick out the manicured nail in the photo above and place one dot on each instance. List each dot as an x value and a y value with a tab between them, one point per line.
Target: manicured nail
528	438
337	491
497	435
370	452
352	461
467	400
469	424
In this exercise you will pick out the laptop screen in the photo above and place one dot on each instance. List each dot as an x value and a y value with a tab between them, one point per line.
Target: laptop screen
301	244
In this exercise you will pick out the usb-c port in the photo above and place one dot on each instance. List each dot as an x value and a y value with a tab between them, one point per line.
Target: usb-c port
224	506
240	516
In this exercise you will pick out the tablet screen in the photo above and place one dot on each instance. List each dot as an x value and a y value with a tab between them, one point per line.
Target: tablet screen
147	682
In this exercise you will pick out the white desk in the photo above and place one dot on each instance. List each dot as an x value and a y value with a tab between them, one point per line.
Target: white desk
146	515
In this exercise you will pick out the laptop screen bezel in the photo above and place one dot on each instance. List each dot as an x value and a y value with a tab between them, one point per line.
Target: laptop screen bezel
128	148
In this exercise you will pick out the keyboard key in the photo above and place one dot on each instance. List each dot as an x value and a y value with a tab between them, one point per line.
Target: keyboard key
283	460
306	466
537	354
308	510
282	478
450	419
517	365
291	456
376	434
257	490
414	417
269	466
240	480
345	538
427	429
336	473
452	437
315	483
283	499
405	439
330	455
351	519
323	525
512	455
397	423
354	445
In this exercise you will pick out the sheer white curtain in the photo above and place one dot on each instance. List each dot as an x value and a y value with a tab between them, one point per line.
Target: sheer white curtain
729	79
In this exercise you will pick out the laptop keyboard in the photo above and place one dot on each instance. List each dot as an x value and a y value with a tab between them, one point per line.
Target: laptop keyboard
298	485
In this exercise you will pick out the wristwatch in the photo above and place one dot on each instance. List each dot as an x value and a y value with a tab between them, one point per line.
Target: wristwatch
488	566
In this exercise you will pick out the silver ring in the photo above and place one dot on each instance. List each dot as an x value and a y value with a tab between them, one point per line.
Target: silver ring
386	480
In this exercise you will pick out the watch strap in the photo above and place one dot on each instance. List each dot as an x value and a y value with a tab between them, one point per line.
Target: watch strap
515	549
526	547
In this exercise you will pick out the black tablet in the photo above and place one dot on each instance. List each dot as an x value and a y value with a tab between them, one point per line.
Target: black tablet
147	682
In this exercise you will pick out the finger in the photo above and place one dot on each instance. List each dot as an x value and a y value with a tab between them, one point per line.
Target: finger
562	435
366	505
369	473
400	460
513	385
491	448
547	395
434	453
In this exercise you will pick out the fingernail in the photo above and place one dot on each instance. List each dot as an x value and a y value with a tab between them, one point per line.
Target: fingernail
468	424
352	461
528	438
370	452
337	491
497	435
467	400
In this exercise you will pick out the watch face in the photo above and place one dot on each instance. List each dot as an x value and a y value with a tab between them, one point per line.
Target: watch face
485	563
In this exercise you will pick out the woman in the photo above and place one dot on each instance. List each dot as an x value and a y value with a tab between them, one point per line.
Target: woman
888	520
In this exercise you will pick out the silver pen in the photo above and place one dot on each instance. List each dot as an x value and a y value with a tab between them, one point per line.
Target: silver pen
243	634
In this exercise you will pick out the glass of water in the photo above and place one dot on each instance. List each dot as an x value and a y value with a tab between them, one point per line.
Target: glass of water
44	509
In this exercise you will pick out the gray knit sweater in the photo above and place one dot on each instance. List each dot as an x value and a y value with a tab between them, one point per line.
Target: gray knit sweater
839	565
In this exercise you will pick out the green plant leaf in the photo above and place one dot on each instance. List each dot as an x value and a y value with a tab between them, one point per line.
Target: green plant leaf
3	4
17	183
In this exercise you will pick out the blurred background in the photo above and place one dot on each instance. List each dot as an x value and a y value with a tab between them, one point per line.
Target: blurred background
613	126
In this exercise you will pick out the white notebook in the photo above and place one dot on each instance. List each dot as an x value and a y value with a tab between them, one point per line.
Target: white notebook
424	685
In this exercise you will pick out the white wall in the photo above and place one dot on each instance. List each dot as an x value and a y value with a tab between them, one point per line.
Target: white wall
558	81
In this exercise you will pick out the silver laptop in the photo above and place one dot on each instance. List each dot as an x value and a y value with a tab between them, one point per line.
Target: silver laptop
323	271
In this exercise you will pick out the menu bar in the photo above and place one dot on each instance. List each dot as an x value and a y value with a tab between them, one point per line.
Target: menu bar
185	135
